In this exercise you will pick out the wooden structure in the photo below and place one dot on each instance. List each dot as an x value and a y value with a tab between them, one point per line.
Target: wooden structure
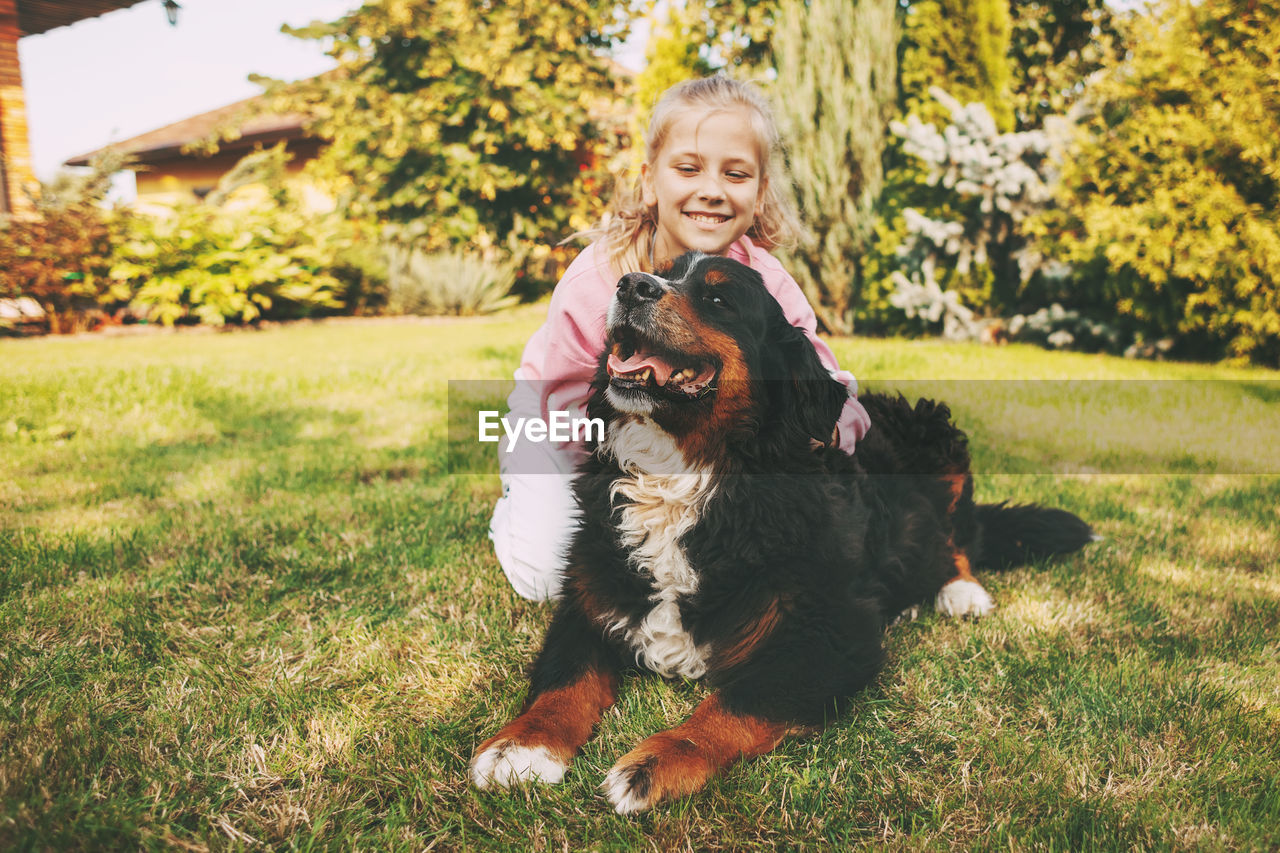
173	164
20	18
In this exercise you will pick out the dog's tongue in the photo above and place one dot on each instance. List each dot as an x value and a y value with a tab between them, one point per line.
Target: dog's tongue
639	361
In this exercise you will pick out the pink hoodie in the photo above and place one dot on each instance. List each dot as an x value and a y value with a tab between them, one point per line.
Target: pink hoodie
563	353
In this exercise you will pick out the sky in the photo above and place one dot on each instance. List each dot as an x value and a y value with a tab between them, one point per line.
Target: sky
114	77
110	78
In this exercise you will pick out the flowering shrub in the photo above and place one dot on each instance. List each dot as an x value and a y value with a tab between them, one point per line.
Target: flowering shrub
973	247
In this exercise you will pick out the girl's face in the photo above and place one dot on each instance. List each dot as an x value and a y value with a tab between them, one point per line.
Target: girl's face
705	182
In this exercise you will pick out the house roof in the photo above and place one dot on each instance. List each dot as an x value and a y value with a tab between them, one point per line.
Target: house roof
39	16
248	127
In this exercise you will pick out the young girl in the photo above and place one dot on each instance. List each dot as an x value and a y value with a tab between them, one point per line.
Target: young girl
713	181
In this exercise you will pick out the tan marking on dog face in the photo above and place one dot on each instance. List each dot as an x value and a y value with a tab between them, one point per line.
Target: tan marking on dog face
733	386
715	277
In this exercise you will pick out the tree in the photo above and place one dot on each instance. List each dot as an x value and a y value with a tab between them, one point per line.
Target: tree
960	47
835	65
465	123
738	33
672	55
1055	46
1171	200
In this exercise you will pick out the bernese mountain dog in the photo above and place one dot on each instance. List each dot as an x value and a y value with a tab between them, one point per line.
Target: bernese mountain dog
724	538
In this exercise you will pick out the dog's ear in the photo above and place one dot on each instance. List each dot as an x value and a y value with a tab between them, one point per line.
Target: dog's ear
803	401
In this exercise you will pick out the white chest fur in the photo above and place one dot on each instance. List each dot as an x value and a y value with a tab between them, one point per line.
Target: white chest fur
660	508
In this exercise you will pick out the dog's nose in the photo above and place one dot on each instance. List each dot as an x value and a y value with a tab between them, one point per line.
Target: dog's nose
639	287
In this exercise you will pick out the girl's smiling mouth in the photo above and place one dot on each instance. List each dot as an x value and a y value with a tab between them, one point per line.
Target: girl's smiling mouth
707	218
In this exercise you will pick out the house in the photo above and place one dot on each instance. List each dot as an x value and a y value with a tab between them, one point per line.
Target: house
175	164
20	18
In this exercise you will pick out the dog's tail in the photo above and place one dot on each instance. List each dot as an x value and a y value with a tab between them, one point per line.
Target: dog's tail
1013	535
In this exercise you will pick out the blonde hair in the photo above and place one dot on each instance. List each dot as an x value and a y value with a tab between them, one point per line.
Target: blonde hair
628	230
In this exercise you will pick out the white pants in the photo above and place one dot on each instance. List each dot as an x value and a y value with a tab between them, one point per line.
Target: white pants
535	518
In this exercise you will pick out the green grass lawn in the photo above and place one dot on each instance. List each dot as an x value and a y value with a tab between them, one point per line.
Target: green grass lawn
245	602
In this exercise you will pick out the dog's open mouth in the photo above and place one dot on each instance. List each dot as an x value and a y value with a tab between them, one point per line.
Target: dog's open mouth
641	369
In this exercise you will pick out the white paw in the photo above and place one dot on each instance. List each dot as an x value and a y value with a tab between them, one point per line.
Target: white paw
506	763
909	615
622	793
963	598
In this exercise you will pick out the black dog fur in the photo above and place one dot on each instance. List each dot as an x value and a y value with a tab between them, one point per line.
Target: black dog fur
795	555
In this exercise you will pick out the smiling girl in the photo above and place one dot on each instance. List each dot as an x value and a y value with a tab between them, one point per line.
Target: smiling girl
713	181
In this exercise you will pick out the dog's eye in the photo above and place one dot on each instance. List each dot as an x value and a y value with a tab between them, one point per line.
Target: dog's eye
716	299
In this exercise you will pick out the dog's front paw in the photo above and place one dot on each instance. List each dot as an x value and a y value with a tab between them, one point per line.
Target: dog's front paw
660	768
505	762
629	786
963	598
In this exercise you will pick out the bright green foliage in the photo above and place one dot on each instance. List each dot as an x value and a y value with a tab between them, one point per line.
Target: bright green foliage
447	282
671	56
466	122
1172	200
1055	44
207	266
962	47
834	99
741	31
215	265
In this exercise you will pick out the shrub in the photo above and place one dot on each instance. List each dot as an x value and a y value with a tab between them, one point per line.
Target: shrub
216	262
1171	200
450	282
967	237
204	265
60	256
834	92
460	121
1056	327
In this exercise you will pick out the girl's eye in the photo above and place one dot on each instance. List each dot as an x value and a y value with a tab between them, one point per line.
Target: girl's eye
686	170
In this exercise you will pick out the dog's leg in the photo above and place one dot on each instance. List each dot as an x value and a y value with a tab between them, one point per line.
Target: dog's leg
574	681
963	595
680	761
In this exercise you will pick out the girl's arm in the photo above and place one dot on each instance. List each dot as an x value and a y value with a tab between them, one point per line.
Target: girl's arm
561	357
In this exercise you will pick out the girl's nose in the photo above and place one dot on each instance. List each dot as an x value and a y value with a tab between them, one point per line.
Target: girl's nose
710	188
